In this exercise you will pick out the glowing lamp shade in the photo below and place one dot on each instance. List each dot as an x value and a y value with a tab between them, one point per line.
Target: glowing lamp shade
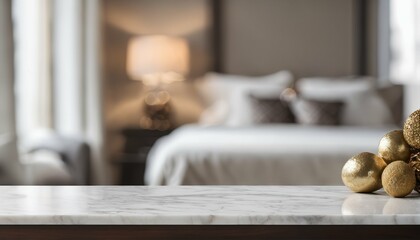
155	59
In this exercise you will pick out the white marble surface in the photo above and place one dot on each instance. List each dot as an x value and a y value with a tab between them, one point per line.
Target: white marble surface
202	205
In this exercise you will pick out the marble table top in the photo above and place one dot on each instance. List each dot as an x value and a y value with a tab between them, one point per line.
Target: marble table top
202	205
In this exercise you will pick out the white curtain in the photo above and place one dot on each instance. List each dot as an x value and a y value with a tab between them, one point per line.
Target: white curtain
405	41
404	47
32	35
77	77
9	165
58	72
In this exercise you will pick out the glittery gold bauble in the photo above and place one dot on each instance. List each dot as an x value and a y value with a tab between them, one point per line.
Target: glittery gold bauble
398	179
415	164
362	173
412	129
393	147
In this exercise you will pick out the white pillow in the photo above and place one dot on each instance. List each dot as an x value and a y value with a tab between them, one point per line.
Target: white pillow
319	88
231	92
363	106
367	109
218	86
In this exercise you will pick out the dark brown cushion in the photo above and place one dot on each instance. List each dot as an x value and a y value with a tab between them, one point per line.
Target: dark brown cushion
270	110
314	112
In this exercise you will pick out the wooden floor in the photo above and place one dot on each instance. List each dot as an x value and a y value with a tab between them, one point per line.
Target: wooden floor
154	232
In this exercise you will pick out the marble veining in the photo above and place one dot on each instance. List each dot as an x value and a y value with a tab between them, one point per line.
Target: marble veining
202	205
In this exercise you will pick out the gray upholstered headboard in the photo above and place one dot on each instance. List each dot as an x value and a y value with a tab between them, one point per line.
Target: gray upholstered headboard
309	38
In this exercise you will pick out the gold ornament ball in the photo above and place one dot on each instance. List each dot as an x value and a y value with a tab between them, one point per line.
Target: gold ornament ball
415	165
393	147
412	129
398	179
362	173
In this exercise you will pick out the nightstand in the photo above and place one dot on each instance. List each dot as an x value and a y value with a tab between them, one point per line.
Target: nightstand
138	143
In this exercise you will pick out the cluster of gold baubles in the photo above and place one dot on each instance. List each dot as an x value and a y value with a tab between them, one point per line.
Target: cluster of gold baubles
396	167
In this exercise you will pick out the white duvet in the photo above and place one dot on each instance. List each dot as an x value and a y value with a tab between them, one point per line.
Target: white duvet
265	154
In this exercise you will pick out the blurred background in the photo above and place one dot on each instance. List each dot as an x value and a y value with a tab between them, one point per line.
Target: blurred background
88	87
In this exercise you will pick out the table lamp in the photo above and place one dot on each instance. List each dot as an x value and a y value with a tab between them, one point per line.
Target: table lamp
157	61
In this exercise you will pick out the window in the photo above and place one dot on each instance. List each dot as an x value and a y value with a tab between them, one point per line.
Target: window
32	33
404	22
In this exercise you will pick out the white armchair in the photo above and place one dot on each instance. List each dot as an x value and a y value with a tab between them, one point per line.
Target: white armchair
57	160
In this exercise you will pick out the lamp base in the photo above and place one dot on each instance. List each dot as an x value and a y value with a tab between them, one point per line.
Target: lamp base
157	111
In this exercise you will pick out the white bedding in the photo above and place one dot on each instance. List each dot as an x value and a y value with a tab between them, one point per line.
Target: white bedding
266	154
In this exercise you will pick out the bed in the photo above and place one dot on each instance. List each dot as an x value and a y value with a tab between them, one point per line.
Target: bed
258	155
231	146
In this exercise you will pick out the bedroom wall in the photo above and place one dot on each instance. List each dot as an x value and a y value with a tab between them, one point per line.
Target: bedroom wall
307	37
